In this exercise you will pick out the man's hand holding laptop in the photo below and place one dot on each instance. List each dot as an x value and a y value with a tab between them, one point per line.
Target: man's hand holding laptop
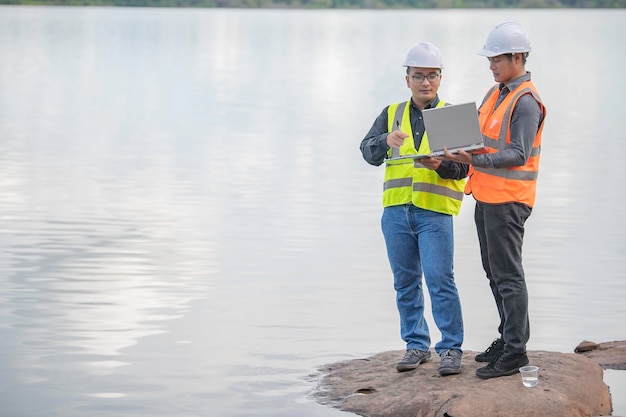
460	156
434	162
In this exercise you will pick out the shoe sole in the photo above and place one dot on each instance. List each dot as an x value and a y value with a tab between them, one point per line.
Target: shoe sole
404	368
448	371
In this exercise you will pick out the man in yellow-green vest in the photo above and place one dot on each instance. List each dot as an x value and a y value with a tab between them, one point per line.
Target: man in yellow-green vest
419	200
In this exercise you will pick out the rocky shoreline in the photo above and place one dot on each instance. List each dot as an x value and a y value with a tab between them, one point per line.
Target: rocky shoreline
570	384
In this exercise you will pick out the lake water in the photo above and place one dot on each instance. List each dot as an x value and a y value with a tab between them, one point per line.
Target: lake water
187	227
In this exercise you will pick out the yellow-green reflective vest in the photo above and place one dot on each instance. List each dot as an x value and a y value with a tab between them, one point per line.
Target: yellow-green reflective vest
407	181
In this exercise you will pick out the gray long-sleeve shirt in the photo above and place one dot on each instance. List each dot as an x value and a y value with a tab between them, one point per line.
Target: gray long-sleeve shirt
525	121
374	146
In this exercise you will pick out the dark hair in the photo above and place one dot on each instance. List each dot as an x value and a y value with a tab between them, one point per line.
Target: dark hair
524	56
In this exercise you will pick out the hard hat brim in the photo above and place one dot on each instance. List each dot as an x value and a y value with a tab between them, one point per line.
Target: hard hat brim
490	54
421	66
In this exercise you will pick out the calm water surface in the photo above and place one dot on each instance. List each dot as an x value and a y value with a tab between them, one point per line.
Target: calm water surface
187	227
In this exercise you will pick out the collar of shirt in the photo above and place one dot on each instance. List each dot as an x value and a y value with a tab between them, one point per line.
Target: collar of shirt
513	84
430	105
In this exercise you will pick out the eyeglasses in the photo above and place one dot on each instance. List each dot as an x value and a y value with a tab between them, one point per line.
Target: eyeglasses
419	78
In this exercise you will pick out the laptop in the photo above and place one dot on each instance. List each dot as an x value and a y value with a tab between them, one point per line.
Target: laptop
454	127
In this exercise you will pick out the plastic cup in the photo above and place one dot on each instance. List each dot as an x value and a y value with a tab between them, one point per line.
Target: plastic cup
530	375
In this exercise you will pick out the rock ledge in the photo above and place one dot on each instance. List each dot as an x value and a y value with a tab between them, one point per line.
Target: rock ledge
570	384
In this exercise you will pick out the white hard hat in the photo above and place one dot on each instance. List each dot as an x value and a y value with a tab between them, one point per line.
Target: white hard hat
506	38
424	55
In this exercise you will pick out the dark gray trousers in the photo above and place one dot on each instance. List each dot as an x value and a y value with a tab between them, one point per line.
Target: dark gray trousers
500	230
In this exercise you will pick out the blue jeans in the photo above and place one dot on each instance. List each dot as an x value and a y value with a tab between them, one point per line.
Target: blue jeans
419	241
500	230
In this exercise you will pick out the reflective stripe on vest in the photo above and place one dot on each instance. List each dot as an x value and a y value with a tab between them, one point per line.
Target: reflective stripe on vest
501	185
438	189
409	182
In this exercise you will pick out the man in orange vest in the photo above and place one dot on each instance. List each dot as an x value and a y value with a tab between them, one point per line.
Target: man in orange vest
503	182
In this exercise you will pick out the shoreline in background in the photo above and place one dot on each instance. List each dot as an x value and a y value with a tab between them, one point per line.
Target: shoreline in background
335	4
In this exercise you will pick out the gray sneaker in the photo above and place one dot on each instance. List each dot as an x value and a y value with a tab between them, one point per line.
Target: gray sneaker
450	362
412	359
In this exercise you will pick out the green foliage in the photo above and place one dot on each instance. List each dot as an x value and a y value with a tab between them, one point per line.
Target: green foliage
336	4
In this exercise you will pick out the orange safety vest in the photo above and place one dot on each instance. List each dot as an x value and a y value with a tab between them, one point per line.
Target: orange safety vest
505	185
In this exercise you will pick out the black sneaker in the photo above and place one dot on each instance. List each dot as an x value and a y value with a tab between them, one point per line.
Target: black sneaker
450	362
503	365
492	351
412	359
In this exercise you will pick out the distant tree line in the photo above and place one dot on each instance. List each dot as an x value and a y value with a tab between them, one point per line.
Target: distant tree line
335	4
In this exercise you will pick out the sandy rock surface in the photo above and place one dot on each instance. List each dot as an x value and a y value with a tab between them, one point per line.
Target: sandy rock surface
570	384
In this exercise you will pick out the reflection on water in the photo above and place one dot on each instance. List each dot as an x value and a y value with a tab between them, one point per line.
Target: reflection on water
188	229
96	287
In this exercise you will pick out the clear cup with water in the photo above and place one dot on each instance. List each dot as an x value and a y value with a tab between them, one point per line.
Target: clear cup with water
530	375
